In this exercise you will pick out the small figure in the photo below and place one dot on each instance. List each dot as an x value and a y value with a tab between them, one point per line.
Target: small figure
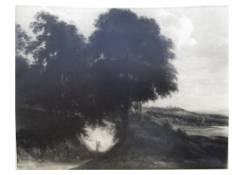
97	146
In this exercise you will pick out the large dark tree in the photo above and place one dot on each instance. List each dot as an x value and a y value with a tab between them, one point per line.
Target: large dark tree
59	52
131	62
54	82
126	60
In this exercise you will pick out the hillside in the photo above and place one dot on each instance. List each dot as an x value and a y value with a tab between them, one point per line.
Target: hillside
155	144
160	139
181	116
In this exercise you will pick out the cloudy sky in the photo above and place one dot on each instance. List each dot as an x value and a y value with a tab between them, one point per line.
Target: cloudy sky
200	35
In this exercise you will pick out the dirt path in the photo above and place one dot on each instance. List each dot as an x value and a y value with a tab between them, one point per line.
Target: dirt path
81	164
48	165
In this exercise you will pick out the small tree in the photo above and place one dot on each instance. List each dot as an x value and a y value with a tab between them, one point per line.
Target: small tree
131	62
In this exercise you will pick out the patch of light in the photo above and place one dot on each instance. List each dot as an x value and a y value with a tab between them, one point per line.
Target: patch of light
99	138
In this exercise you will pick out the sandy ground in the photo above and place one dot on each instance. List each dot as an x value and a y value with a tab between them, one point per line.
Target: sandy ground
48	165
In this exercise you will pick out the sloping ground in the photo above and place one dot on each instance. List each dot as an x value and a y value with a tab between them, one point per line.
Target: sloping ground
181	116
152	145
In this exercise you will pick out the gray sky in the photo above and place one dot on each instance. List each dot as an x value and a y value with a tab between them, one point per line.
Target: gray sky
200	35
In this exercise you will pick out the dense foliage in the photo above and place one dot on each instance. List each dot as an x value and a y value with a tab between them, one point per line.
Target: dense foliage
125	60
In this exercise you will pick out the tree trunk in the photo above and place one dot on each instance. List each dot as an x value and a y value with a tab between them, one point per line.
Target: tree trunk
140	111
123	132
125	123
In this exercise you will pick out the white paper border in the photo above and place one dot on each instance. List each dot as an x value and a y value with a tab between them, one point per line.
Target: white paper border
236	82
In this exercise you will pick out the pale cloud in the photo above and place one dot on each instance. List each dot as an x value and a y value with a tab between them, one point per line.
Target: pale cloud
184	33
178	27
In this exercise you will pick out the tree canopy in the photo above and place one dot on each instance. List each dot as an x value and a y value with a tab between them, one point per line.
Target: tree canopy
59	52
125	60
131	61
55	80
21	40
131	58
